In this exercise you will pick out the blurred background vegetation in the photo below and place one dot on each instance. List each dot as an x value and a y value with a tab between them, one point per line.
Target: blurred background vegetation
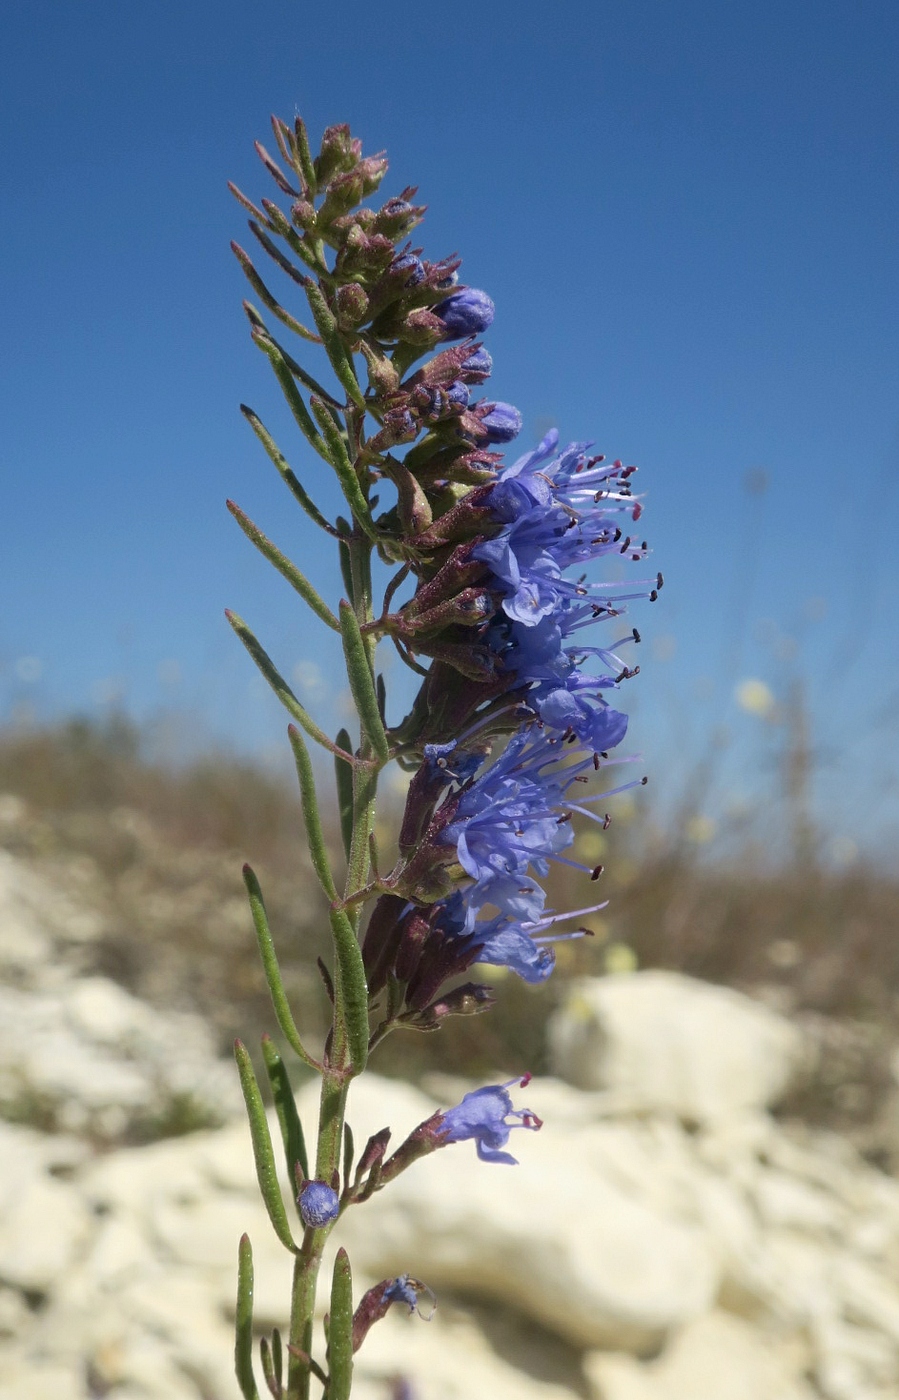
157	848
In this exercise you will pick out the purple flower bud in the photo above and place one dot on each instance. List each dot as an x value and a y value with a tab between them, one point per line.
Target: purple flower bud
318	1204
478	366
410	264
458	393
468	312
446	282
503	423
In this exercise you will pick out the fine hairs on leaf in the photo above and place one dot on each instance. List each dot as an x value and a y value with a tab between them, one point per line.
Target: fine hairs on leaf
508	730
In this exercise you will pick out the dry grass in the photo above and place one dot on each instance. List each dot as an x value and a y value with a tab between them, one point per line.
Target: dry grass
159	850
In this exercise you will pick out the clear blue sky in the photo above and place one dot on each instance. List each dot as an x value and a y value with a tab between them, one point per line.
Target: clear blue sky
687	217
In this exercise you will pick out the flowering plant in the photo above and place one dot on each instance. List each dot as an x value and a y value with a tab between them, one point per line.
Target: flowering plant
509	727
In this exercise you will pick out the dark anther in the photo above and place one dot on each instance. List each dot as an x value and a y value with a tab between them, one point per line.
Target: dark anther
617	536
643	781
604	754
653	597
606	822
637	637
581	778
596	762
597	871
659	581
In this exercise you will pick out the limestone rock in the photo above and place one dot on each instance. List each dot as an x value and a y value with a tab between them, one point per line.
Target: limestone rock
674	1045
717	1357
560	1236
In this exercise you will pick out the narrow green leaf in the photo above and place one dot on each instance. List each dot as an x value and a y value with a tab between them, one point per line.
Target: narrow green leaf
277	681
340	460
350	989
266	1171
268	1368
278	1356
315	836
284	566
286	1109
296	369
292	394
287	475
349	1152
340	1329
333	342
272	970
243	1338
305	156
262	291
276	220
346	563
343	774
362	682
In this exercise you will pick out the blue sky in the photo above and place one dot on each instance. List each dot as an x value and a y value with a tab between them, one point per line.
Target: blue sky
686	216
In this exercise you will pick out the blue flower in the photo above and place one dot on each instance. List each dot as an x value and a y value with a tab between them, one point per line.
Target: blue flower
468	312
318	1204
484	1116
509	818
502	423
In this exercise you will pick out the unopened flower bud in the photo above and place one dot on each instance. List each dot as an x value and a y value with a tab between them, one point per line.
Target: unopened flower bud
382	376
339	152
318	1204
351	304
421	327
458	394
503	423
468	312
477	367
303	214
398	217
411	266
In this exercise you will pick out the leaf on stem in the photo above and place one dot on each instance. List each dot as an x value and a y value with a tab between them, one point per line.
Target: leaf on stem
279	684
284	566
343	775
243	1338
318	850
299	492
362	682
272	971
286	1109
268	1369
333	343
340	1329
348	1151
350	990
340	460
266	1171
273	305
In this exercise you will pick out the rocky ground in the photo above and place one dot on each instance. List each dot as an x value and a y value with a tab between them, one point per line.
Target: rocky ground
667	1236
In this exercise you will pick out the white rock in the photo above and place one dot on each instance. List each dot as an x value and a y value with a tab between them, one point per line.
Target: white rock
674	1044
44	1223
717	1357
557	1236
447	1358
784	1202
